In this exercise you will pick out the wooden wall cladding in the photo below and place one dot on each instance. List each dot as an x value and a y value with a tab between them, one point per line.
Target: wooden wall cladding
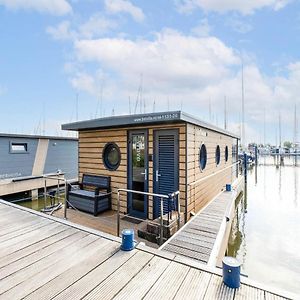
200	194
92	142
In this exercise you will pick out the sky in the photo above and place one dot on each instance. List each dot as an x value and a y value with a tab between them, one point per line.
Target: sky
68	60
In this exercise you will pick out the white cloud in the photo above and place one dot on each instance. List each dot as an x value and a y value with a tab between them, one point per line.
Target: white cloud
125	6
186	70
95	26
239	25
172	59
84	82
61	31
54	7
202	29
222	6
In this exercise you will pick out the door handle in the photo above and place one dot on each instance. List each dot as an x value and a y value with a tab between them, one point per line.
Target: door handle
157	175
145	173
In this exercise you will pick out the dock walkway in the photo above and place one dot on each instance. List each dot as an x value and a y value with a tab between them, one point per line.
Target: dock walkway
201	238
43	257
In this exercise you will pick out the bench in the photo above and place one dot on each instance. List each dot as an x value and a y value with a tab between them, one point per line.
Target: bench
94	200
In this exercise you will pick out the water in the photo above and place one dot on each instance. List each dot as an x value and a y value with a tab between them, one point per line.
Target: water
265	234
38	204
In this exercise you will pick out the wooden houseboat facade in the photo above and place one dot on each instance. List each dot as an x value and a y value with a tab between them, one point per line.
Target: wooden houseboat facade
157	153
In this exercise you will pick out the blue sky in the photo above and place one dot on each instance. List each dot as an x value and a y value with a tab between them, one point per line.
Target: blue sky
181	53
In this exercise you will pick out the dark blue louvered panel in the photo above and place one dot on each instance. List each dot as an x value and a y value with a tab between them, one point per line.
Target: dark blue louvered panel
167	166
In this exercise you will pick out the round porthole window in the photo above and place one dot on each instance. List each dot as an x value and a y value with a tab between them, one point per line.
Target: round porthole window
202	157
226	153
218	155
111	156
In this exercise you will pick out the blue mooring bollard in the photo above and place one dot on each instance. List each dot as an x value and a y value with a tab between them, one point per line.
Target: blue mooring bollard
128	242
231	272
228	187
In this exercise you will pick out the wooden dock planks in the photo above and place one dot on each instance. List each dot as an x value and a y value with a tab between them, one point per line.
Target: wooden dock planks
194	285
63	261
57	285
86	284
108	288
142	283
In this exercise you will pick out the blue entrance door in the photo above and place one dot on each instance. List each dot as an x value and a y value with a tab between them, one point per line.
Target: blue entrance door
166	166
137	204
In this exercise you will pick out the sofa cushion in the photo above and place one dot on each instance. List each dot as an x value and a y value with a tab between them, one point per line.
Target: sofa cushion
83	193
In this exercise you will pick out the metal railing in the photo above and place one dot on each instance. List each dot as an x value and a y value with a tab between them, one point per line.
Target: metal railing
213	174
59	179
162	197
190	185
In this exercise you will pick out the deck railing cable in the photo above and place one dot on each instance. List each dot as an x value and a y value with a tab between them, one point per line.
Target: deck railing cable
196	182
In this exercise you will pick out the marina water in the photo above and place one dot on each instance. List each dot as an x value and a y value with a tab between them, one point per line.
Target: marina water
265	233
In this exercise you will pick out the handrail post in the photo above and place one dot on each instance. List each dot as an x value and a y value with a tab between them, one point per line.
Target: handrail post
118	215
66	192
57	192
45	194
245	166
178	208
161	238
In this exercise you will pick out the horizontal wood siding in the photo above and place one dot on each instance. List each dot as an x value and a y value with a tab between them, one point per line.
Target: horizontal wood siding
200	194
92	142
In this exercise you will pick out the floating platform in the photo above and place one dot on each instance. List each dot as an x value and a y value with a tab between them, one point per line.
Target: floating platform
42	257
204	236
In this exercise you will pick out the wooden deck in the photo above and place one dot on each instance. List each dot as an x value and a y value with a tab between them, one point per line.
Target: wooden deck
201	238
105	221
43	257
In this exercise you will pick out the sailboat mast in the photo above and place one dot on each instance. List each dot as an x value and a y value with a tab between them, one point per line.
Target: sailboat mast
76	106
264	127
295	127
209	110
243	110
225	113
279	120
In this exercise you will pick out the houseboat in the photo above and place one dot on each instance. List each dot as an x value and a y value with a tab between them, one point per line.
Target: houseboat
158	153
25	159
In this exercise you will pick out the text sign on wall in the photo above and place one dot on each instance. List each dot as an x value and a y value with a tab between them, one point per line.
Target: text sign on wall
162	117
12	175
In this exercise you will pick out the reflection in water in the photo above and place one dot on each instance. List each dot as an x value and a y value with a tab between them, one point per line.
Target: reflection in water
265	232
235	238
38	204
296	185
279	184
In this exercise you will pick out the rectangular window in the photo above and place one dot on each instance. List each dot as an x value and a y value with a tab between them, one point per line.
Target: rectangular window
18	147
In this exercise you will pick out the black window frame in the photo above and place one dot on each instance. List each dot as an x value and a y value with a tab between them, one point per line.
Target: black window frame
13	151
108	165
202	164
226	154
218	155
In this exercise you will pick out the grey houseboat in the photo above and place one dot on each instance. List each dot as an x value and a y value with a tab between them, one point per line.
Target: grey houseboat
160	153
28	157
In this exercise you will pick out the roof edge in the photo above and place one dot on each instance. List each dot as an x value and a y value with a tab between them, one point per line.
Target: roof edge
33	136
143	119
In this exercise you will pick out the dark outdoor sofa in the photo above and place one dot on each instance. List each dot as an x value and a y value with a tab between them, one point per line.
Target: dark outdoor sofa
95	199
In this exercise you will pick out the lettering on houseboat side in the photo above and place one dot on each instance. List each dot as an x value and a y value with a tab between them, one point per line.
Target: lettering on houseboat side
6	176
157	118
